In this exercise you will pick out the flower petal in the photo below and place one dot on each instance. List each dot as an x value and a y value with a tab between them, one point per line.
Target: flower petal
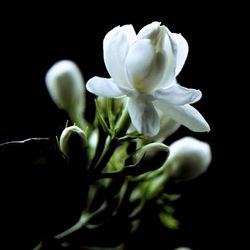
167	47
181	51
115	47
139	61
167	125
103	87
188	116
150	31
178	95
129	32
144	66
144	116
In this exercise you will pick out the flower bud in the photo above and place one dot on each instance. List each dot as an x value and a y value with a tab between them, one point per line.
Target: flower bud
148	158
73	143
188	158
65	85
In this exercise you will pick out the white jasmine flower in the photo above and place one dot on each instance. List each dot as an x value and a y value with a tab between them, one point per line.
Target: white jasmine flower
144	67
188	158
65	85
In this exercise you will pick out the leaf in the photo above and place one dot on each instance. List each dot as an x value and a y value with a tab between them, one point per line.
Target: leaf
168	220
101	119
171	197
20	153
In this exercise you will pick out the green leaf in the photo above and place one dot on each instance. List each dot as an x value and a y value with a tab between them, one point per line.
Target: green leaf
168	220
171	197
101	119
111	116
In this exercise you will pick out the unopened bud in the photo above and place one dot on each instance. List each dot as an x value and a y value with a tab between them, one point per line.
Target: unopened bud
148	158
65	85
73	143
188	158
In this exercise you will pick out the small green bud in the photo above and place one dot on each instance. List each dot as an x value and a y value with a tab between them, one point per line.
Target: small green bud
188	158
148	158
73	143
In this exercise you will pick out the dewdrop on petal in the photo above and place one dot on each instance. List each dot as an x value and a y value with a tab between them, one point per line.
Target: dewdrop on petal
188	158
73	143
65	85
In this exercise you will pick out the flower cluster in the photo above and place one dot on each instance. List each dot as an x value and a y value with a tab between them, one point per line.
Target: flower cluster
126	164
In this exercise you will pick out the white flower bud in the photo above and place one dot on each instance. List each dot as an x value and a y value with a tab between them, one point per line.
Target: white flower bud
188	158
73	142
65	85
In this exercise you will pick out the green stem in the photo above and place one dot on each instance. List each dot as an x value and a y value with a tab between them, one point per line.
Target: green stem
123	124
112	144
109	149
111	175
78	119
100	147
125	197
83	221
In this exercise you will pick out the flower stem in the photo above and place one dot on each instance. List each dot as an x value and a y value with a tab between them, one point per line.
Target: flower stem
111	144
108	151
79	121
123	124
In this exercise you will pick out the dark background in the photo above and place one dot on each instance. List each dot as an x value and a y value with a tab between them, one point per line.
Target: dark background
35	37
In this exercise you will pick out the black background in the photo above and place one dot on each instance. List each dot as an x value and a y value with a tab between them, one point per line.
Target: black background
35	37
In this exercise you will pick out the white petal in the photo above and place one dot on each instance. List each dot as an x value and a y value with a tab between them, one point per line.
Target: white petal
181	51
129	32
129	92
166	46
144	66
188	116
167	125
178	95
144	116
103	87
115	47
139	60
150	31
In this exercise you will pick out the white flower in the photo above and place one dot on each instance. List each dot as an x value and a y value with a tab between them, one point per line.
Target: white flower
65	85
188	158
144	67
